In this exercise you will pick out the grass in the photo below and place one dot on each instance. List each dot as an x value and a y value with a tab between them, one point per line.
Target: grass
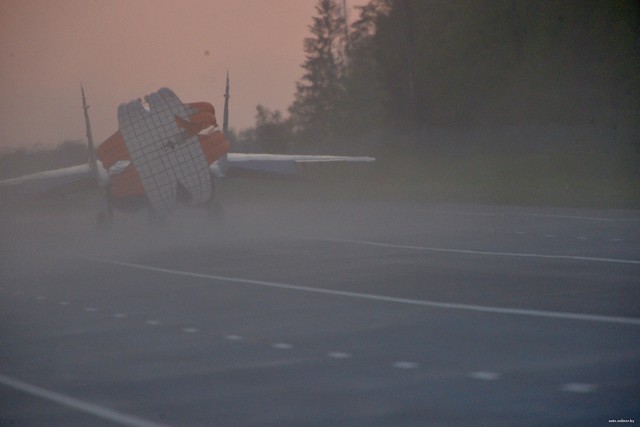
526	180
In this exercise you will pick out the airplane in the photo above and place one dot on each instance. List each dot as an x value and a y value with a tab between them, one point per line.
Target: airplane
164	153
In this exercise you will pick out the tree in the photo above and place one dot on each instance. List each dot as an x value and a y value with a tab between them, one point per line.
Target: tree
363	101
272	132
314	111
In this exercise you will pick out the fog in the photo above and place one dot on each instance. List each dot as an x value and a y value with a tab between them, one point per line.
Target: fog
483	270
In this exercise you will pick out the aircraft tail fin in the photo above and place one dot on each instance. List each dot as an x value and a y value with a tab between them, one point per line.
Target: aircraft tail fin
93	158
222	162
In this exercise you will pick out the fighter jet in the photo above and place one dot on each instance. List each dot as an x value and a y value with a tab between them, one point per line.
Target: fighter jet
164	153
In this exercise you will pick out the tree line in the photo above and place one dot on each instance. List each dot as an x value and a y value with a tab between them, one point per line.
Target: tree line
403	67
460	64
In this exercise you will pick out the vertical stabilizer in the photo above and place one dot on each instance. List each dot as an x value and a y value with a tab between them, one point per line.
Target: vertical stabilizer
222	162
93	160
225	120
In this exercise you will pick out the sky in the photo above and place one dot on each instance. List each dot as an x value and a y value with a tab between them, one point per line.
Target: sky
124	49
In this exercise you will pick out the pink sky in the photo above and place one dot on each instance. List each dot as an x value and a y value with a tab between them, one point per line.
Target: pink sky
124	49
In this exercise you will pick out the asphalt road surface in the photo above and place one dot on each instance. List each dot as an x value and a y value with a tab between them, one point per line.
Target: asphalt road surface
333	314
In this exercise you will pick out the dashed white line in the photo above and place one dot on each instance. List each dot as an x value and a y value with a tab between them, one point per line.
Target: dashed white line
405	365
339	355
90	309
153	322
234	337
64	303
282	346
424	303
578	388
190	330
70	402
119	315
41	298
484	375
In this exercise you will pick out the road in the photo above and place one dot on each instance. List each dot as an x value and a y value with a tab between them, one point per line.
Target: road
336	313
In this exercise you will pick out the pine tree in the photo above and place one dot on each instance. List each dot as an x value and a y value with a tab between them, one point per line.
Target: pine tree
314	112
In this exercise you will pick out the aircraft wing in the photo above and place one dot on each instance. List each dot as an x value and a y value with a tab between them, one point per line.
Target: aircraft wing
282	164
75	178
63	180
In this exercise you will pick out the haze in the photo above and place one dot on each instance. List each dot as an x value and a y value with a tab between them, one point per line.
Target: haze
121	50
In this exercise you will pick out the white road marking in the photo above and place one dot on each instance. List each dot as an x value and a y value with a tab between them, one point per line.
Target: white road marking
64	303
79	405
578	388
339	355
463	213
405	365
119	315
234	337
18	293
521	232
616	240
153	322
282	346
424	303
41	298
90	309
487	253
484	375
190	330
589	218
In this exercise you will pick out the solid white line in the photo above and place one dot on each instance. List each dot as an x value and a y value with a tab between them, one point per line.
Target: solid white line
424	303
486	253
70	402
